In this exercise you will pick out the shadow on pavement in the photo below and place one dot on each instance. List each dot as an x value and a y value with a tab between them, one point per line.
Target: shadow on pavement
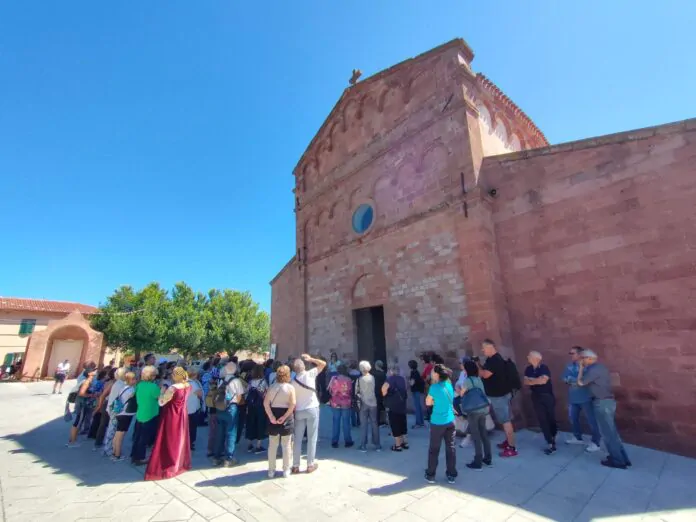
569	485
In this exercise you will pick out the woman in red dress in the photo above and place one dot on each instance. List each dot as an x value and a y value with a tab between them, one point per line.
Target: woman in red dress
171	455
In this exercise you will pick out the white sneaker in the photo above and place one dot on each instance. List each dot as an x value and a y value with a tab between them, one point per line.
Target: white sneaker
573	440
466	441
271	474
286	473
591	447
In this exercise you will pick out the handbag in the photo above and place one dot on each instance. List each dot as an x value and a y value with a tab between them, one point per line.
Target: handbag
474	399
67	416
357	396
288	424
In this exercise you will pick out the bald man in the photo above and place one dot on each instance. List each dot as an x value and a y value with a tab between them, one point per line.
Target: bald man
538	378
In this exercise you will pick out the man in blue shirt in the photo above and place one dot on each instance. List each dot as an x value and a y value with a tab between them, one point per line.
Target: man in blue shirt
580	400
538	377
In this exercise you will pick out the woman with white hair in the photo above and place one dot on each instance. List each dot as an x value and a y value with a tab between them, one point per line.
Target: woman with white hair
538	377
394	393
147	394
116	389
367	405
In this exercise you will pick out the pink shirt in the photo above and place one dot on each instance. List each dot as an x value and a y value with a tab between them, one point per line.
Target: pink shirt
341	390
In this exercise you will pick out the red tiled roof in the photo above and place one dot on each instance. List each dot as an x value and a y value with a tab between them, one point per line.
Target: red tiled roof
43	305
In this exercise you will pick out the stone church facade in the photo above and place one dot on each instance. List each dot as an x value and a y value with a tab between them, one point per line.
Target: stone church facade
431	213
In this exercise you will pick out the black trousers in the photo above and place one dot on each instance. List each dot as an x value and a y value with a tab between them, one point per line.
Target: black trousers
545	408
101	431
145	434
194	420
94	427
438	434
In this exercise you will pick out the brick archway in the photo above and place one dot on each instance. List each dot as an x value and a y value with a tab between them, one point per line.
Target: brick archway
40	344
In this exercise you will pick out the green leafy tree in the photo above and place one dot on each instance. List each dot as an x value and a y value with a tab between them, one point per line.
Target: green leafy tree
134	321
193	323
235	322
186	320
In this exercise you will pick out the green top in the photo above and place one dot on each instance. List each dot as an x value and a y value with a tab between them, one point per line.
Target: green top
147	393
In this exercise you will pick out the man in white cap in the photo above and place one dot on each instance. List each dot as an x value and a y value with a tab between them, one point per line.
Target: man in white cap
596	378
226	434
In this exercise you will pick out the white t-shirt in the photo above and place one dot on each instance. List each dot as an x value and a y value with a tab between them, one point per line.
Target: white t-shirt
235	389
63	368
306	399
193	402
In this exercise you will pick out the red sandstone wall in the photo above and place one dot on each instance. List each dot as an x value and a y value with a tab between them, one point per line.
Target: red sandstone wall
597	246
287	312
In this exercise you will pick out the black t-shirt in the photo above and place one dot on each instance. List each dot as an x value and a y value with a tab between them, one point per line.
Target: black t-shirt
538	389
497	384
418	382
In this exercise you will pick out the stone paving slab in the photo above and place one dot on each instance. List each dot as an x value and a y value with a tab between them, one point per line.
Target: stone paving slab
40	479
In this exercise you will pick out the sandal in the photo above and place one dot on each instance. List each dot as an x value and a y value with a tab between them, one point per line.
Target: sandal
404	446
396	448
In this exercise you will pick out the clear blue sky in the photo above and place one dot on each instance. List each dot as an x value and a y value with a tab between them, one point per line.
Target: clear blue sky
155	140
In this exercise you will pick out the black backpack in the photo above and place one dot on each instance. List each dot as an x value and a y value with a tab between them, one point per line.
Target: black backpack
254	397
512	376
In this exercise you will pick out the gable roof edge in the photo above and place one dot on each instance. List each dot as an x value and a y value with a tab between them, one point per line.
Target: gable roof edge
457	42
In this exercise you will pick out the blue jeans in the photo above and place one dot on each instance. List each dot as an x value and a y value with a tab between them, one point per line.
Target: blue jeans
605	412
226	432
341	415
574	412
418	407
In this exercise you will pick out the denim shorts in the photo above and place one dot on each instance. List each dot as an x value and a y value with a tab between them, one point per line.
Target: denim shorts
501	408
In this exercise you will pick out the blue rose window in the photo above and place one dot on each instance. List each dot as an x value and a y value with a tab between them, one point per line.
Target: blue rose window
362	218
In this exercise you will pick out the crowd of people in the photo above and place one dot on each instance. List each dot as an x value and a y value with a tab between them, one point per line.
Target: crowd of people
279	402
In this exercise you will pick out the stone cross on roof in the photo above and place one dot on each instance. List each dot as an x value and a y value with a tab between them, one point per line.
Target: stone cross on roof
356	75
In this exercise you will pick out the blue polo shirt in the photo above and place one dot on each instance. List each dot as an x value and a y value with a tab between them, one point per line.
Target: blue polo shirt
443	397
535	373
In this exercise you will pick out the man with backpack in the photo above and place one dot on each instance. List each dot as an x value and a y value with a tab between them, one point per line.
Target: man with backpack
500	380
229	396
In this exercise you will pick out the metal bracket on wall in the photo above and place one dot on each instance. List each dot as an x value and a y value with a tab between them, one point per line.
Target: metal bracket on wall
465	204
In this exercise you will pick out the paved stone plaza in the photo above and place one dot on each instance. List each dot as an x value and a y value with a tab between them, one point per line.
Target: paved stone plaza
40	479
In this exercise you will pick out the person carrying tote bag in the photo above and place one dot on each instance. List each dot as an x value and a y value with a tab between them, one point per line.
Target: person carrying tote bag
475	405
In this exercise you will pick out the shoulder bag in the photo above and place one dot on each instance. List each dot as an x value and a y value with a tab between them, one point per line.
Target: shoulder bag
474	399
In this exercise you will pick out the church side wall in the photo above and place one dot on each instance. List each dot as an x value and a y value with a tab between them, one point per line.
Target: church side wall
597	246
287	311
